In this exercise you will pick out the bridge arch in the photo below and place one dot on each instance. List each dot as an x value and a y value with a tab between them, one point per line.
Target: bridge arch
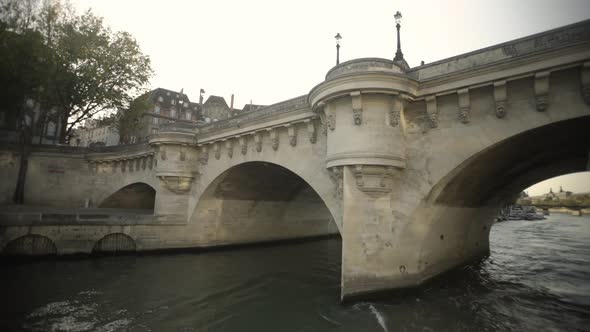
459	211
138	195
30	245
497	174
259	201
114	242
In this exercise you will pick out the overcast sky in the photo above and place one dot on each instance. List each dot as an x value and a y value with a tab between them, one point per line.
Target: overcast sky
267	51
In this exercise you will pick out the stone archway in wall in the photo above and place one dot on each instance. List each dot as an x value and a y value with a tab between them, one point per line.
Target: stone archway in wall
30	245
137	196
260	201
460	209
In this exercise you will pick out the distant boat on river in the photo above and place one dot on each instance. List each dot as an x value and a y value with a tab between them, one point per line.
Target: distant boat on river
519	212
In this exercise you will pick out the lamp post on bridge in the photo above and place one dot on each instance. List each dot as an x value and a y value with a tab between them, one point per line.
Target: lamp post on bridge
337	37
399	56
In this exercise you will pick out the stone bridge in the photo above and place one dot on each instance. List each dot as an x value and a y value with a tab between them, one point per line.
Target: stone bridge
409	166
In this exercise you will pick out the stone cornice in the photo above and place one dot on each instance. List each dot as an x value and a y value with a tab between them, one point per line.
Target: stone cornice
510	69
566	36
365	82
300	115
173	138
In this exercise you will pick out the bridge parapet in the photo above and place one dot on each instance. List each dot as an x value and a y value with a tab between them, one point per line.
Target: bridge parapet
280	108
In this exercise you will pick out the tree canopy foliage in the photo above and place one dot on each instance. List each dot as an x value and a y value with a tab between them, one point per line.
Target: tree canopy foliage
73	65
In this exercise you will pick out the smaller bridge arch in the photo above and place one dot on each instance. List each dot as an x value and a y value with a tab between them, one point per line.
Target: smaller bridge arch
138	195
30	245
261	201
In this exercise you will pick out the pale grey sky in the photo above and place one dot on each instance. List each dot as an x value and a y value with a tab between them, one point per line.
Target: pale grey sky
576	182
269	50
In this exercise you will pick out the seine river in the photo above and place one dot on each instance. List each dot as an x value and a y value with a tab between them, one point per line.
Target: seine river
537	278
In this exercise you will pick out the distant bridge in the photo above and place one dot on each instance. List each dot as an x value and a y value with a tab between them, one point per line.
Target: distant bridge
409	166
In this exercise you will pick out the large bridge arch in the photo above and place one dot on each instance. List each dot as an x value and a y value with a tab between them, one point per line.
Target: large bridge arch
459	211
305	159
259	201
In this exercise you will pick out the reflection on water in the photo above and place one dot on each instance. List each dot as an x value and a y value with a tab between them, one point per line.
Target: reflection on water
537	278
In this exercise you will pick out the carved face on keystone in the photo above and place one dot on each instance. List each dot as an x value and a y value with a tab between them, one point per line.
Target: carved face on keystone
542	103
433	120
500	110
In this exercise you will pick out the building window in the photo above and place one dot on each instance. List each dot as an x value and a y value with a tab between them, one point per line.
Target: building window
173	113
154	131
173	102
155	121
157	109
188	115
160	99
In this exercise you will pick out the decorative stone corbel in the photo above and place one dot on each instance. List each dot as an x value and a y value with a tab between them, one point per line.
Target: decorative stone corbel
151	162
137	164
123	165
542	90
357	107
257	141
373	180
216	150
176	184
394	115
336	176
358	175
310	130
500	98
330	121
229	147
203	155
432	111
143	162
243	144
396	110
464	105
585	80
320	110
182	155
274	138
292	134
162	152
130	164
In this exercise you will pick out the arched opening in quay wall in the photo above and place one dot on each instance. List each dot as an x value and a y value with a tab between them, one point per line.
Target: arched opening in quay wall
139	196
115	242
30	245
261	201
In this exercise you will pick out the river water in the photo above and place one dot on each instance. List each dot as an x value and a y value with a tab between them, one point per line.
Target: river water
537	278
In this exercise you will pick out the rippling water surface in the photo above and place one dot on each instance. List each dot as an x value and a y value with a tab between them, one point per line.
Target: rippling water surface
537	278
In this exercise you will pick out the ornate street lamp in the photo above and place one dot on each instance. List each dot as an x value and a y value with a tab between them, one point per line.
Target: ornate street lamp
337	37
398	55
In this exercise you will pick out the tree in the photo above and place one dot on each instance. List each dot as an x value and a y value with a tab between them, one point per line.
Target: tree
89	69
97	70
129	121
72	66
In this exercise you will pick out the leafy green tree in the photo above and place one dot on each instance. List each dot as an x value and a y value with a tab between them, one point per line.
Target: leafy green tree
72	66
97	70
89	69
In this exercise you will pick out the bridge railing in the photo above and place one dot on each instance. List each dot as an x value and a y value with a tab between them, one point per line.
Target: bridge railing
261	113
